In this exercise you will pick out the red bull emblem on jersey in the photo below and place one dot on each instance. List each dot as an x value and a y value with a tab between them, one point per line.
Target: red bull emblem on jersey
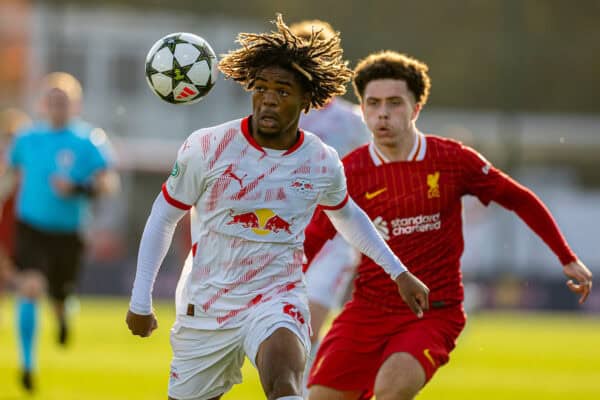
302	185
262	221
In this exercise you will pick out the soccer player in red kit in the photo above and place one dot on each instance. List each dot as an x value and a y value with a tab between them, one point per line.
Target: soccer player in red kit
411	185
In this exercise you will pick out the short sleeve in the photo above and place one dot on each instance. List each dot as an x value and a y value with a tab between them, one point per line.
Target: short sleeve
480	177
14	155
336	195
97	160
186	181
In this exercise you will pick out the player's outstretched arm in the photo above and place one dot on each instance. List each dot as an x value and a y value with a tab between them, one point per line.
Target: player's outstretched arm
356	227
581	279
154	245
536	215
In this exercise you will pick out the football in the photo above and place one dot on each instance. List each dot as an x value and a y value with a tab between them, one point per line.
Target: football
181	68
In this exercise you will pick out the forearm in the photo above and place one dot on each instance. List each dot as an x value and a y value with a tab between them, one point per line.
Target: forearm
536	215
358	230
154	245
105	182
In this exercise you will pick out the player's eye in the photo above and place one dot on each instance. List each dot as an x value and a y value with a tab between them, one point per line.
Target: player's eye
259	89
283	93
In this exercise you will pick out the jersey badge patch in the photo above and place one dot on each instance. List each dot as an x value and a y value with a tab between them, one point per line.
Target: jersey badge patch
434	186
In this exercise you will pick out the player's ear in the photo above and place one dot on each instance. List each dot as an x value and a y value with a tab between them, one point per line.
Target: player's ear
416	111
306	102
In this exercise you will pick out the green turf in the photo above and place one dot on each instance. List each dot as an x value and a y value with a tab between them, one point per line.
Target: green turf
499	356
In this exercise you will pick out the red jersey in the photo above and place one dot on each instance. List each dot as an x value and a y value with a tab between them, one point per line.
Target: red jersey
420	203
7	223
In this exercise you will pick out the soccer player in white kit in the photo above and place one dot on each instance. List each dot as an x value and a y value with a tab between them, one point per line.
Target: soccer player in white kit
252	185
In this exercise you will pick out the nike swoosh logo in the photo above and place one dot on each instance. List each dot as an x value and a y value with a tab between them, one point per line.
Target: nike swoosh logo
371	196
429	357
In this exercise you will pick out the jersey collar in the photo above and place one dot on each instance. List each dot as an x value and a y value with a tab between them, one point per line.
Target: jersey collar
246	132
417	153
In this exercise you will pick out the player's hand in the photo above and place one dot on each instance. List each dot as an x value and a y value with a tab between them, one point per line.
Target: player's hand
62	186
581	279
414	293
141	325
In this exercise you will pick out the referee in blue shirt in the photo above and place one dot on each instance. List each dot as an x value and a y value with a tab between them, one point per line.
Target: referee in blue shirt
61	170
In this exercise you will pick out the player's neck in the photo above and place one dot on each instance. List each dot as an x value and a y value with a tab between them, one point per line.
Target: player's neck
283	140
400	149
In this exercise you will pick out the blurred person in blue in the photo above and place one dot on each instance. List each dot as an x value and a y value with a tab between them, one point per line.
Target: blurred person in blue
12	120
61	170
339	124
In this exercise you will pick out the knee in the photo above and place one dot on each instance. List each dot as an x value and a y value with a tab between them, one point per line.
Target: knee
280	363
287	380
401	391
401	377
31	285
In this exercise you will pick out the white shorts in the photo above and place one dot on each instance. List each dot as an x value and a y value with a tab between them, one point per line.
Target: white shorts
207	363
331	272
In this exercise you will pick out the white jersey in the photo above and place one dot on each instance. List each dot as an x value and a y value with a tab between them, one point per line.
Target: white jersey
250	208
339	124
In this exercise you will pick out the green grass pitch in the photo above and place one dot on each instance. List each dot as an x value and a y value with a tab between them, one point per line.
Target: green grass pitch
499	356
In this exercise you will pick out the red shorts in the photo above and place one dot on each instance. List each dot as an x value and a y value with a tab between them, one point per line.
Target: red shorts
363	336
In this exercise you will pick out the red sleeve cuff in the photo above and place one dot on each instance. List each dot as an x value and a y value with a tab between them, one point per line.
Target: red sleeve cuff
568	257
336	207
172	201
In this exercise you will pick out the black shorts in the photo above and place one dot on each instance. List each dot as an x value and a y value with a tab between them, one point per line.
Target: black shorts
57	255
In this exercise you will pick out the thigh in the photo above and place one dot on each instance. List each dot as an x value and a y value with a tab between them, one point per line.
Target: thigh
31	248
401	376
64	265
318	392
350	355
280	362
206	363
289	312
428	340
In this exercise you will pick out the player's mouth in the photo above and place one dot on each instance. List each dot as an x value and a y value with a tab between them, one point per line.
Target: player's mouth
268	120
383	130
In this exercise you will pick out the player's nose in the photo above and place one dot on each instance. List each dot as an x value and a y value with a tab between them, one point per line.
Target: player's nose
269	98
383	113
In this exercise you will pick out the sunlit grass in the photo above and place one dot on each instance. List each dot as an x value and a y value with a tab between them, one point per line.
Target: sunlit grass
499	356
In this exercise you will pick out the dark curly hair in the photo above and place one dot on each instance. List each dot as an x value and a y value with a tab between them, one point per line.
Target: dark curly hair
318	63
392	65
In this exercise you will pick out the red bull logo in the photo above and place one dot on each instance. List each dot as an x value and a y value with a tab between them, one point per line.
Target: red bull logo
262	222
302	185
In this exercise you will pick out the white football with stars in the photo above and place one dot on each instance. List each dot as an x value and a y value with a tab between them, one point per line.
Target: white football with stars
181	68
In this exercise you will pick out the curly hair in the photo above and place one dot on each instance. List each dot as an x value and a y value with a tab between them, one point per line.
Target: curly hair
318	63
305	29
393	65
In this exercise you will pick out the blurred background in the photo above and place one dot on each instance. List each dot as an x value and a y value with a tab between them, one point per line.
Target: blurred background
517	79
